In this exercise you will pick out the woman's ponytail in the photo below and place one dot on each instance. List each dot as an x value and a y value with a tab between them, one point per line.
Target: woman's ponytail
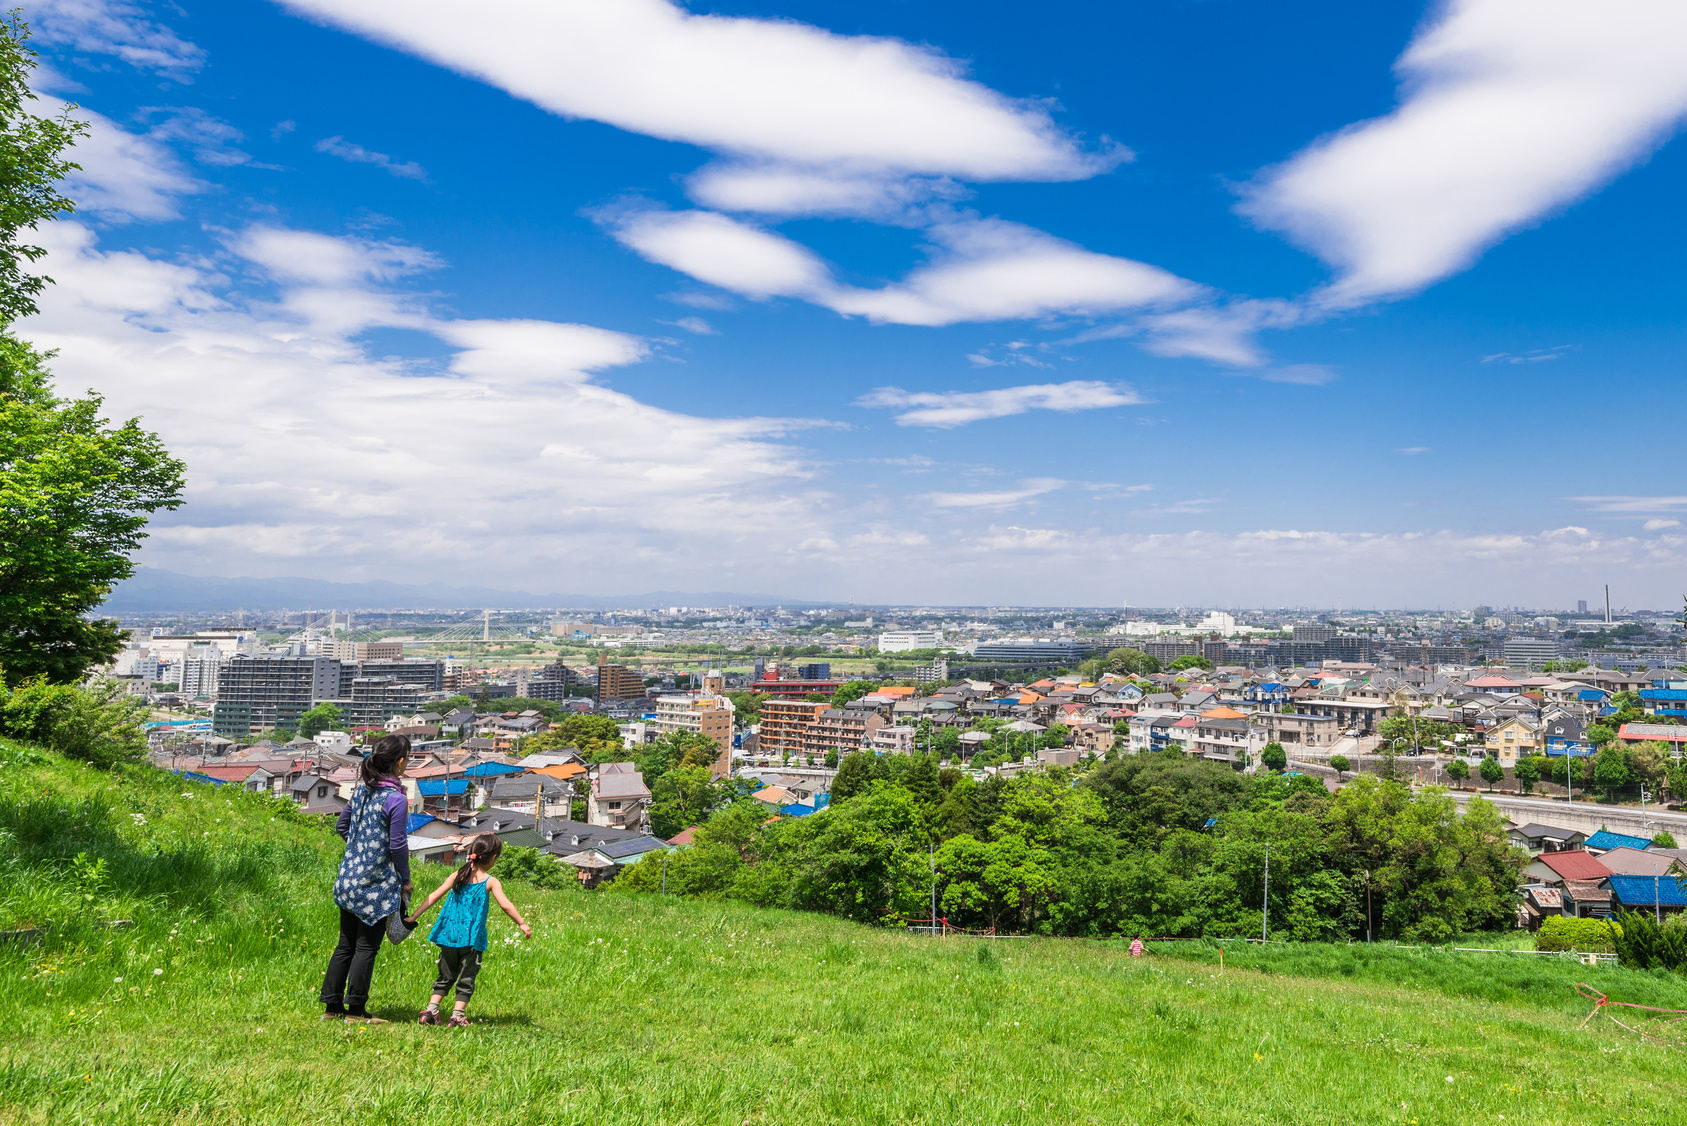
382	762
483	849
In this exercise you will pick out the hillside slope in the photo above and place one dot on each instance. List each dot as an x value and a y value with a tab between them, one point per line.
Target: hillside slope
629	1009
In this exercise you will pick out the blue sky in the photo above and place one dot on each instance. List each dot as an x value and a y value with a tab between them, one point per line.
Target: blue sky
1161	303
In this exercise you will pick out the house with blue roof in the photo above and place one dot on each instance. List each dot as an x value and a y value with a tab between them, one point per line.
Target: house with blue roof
1605	841
1648	893
1665	698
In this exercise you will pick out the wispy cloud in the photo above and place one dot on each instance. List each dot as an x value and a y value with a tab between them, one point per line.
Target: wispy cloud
1412	450
1538	355
957	408
115	27
695	325
357	154
1001	498
1659	525
1638	506
1195	506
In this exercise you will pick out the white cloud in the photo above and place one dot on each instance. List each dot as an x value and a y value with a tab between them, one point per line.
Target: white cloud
990	270
723	252
697	326
980	270
126	176
356	154
1001	498
957	408
1659	525
211	138
1412	451
1511	109
771	91
306	454
114	27
1221	333
1538	355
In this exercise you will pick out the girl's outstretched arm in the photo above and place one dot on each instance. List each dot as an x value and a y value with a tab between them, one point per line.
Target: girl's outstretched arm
497	890
438	893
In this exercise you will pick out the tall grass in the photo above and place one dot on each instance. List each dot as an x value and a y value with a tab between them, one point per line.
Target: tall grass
633	1009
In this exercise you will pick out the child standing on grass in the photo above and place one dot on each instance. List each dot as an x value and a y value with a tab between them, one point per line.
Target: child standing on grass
460	930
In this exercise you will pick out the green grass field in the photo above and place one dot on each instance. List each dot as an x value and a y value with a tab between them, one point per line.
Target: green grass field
627	1009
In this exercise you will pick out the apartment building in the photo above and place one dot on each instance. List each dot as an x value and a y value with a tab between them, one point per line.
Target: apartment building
617	682
785	725
260	693
428	676
364	650
374	700
839	729
695	714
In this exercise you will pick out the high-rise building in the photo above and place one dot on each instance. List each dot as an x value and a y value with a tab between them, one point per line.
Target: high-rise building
1581	605
1314	633
429	676
819	670
699	714
260	693
365	650
199	675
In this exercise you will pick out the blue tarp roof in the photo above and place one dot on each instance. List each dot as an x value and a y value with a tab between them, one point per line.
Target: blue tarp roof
487	770
1590	694
796	809
1663	693
1647	891
437	789
417	820
195	776
1608	840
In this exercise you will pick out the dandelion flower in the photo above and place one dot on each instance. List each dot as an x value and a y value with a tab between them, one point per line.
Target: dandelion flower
115	980
156	972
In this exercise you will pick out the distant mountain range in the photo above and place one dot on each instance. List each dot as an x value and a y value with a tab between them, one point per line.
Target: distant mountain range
155	590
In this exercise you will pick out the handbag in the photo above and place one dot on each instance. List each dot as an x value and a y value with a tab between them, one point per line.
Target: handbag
397	929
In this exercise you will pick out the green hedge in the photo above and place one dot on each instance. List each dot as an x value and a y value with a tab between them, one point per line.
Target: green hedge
1645	944
1560	932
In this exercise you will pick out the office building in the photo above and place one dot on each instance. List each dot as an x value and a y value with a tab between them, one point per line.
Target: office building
261	693
819	670
1530	652
904	640
1061	653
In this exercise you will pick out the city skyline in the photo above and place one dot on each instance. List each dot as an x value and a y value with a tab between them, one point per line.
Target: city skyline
1200	304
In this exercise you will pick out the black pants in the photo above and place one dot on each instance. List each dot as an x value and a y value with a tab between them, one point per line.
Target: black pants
353	963
457	964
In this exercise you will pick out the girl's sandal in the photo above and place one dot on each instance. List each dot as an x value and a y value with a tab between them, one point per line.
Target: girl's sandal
458	1020
428	1016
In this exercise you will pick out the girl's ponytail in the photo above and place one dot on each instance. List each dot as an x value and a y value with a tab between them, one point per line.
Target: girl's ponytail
483	849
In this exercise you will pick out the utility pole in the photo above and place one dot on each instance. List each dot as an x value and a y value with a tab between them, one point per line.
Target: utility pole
932	848
1367	905
1265	911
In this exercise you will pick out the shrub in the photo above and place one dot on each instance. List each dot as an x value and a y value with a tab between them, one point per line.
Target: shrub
1644	944
535	867
1561	932
95	722
1663	839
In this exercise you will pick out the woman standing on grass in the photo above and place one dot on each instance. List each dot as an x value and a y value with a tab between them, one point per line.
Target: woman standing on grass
374	879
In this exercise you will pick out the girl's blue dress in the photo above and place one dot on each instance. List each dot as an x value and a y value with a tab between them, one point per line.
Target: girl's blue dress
462	921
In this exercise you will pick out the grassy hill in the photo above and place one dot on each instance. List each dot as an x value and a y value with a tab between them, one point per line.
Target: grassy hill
627	1009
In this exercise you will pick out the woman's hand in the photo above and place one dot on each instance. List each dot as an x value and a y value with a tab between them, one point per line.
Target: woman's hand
526	931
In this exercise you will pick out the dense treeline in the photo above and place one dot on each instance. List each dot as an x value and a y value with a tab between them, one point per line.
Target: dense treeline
1155	844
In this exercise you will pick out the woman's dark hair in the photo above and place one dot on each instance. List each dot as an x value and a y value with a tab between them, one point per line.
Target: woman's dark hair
382	762
483	849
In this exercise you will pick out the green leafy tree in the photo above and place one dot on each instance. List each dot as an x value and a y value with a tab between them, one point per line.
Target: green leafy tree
1190	661
853	690
832	758
854	773
1054	738
74	493
922	781
1339	764
323	717
1132	662
1527	772
1610	768
596	737
1491	771
682	797
1274	757
95	722
1458	770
